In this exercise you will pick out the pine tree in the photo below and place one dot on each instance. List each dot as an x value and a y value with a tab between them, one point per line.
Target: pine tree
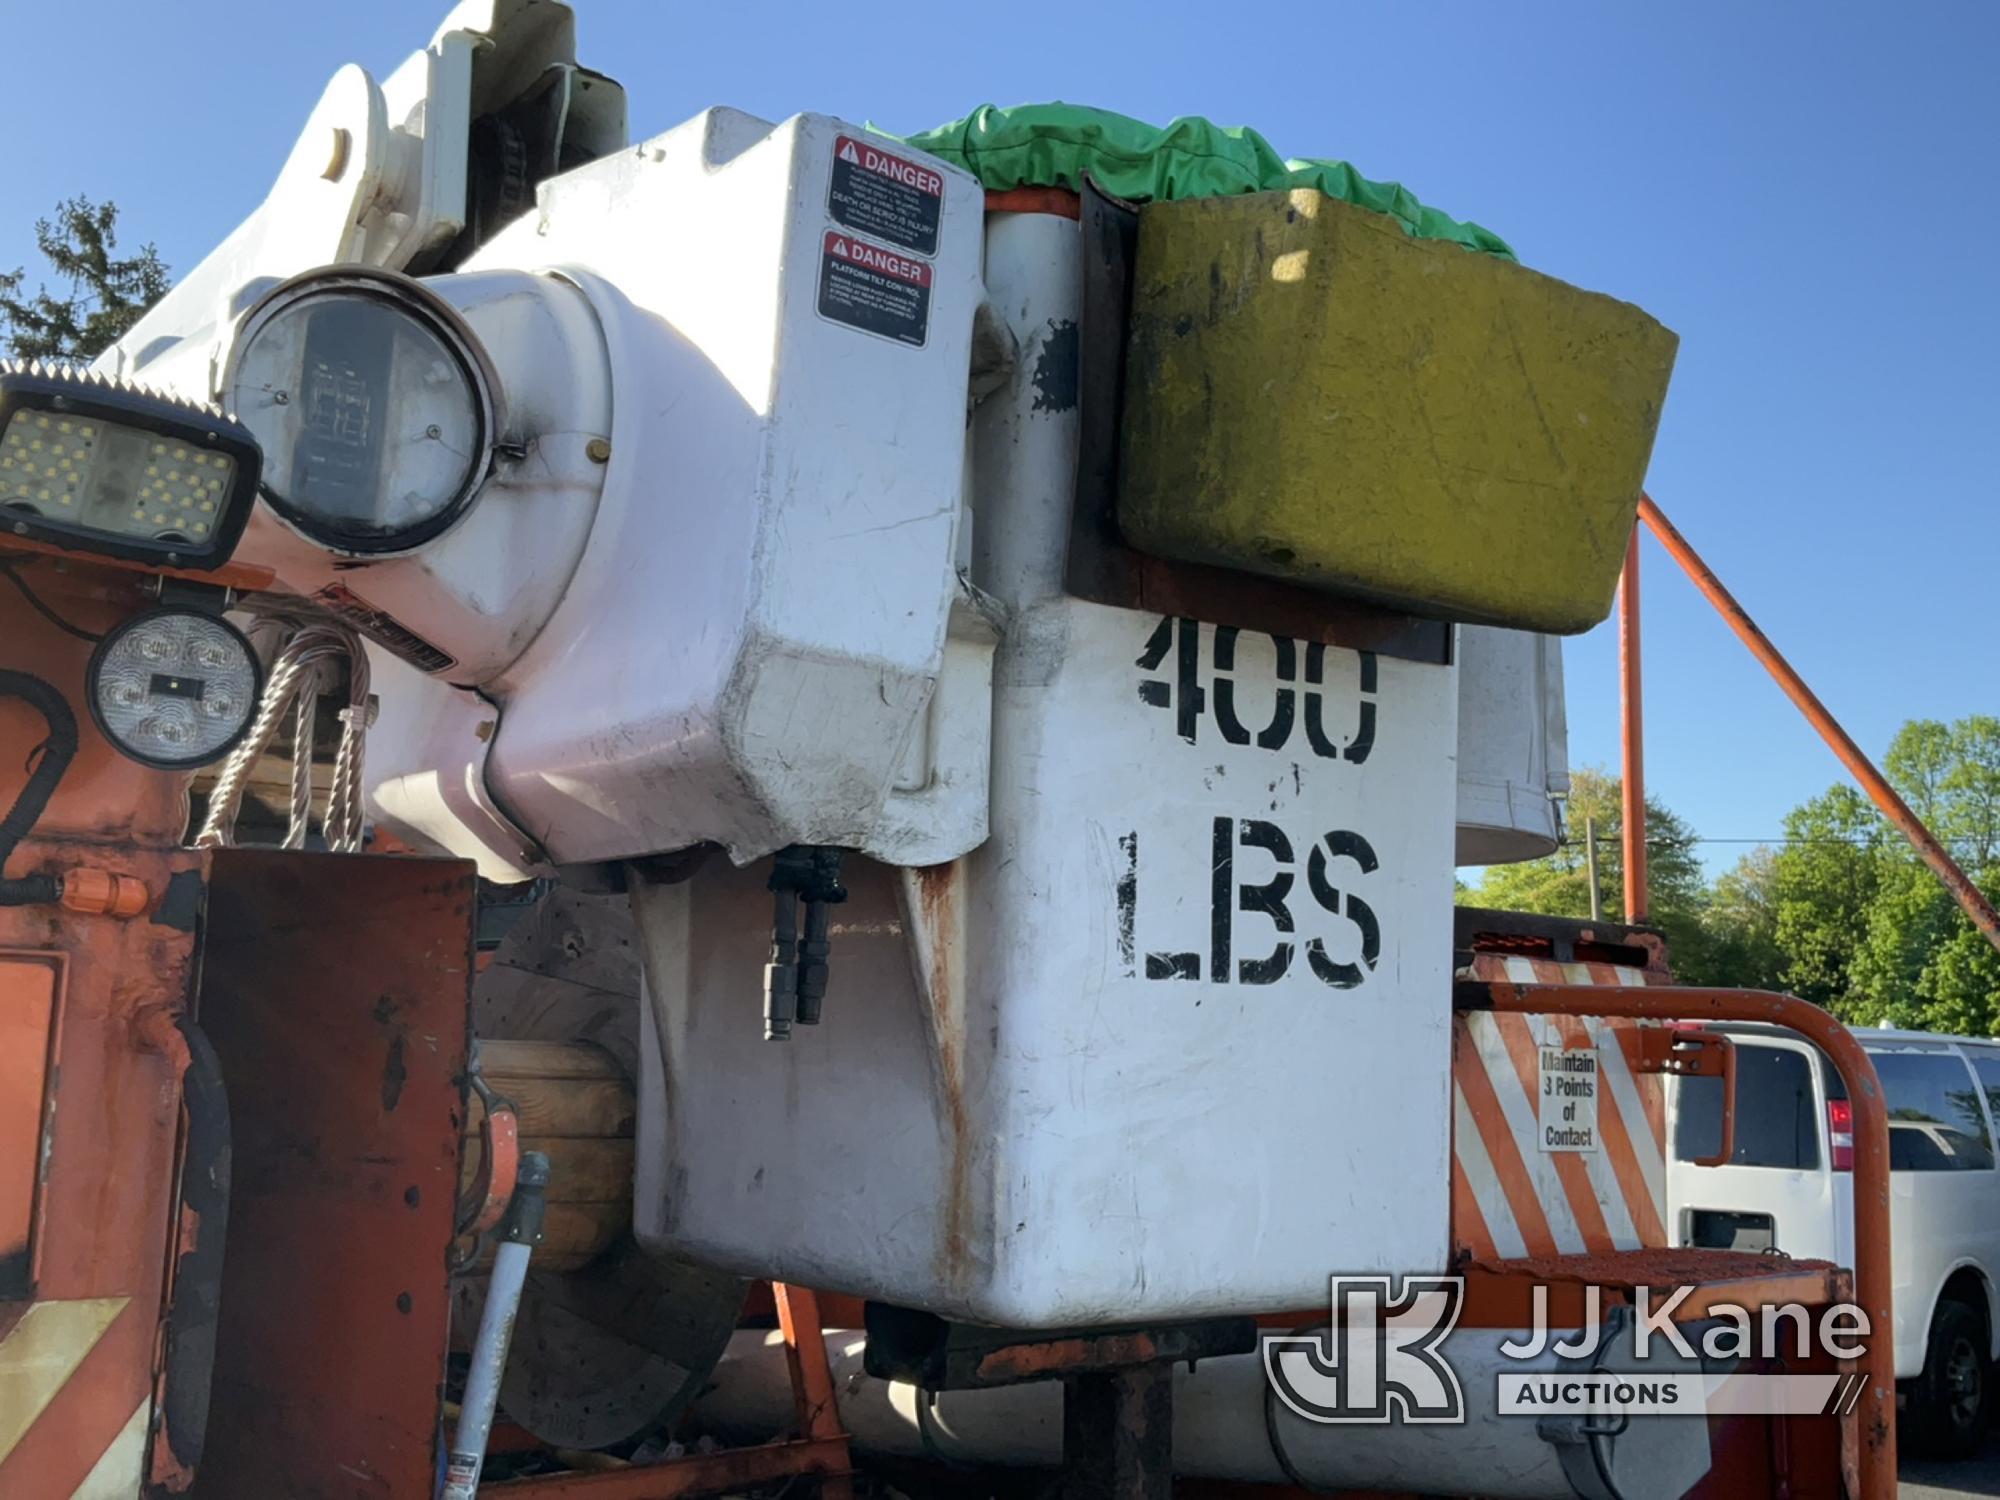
105	295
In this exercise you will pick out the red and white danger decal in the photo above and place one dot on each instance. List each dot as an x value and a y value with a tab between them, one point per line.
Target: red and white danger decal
889	196
875	289
875	258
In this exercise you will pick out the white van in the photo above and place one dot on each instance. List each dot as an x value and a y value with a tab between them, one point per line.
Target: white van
1789	1188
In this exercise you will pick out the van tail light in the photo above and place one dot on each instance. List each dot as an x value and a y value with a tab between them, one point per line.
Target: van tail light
1840	1133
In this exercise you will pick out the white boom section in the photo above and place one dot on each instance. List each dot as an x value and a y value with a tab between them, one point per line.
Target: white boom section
377	177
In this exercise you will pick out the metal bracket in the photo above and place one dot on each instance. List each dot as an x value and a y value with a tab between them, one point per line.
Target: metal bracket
485	1203
939	1355
1691	1052
1118	1393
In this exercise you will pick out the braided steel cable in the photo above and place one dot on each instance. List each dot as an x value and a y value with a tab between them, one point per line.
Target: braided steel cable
344	820
305	713
297	673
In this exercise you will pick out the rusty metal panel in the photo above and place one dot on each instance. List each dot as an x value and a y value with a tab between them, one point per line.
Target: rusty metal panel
93	1066
27	1020
336	991
78	1363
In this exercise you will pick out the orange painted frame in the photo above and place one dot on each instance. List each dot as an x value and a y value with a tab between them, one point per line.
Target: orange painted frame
31	988
819	1451
1868	1434
107	1140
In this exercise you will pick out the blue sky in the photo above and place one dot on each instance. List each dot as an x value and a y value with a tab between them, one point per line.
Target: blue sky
1804	192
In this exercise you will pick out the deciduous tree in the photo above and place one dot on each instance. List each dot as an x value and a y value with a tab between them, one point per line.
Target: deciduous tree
1559	884
1865	928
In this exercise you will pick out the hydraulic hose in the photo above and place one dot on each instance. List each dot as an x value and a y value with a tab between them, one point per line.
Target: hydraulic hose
57	753
195	1316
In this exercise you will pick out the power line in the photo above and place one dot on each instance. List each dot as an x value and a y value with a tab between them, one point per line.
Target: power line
1856	840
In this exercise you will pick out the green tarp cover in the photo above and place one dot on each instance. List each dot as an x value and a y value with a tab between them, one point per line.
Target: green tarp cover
1053	145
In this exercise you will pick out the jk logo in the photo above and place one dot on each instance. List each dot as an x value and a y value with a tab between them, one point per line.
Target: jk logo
1378	1360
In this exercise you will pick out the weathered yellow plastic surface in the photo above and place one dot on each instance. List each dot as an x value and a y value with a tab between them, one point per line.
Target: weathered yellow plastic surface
1313	395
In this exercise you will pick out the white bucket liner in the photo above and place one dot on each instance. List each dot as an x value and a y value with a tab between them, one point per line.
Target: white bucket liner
1173	1041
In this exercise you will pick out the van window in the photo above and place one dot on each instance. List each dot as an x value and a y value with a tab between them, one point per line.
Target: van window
1935	1122
1986	1063
1777	1114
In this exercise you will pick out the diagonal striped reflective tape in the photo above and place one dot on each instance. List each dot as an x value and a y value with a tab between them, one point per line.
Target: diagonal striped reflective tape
121	1468
40	1353
1506	1190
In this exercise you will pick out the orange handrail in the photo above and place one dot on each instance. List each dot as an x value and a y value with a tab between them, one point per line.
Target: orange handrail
1883	795
1795	687
1632	784
1868	1434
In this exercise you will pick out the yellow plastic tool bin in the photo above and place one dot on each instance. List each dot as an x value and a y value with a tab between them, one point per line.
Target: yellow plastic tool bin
1312	394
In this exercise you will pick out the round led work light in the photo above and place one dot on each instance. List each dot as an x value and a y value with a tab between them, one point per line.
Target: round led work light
174	688
374	406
